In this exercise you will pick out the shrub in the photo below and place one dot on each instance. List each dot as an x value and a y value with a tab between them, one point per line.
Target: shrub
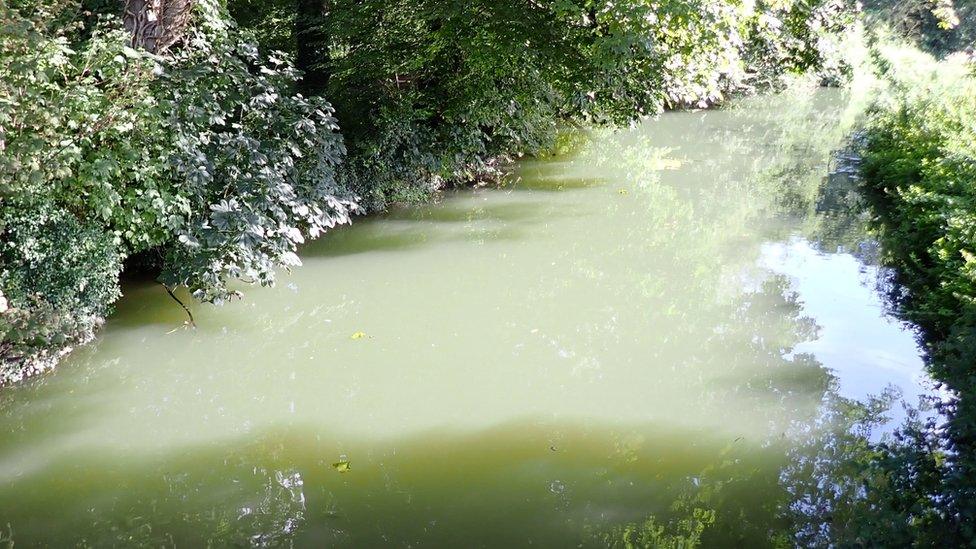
205	156
67	115
919	164
251	165
937	26
60	274
919	171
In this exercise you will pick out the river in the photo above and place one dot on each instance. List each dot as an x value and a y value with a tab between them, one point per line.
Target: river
650	326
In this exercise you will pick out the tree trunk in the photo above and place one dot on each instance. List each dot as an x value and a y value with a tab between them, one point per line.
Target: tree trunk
312	46
156	24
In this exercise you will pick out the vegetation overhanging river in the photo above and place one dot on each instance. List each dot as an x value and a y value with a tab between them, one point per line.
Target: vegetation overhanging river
603	339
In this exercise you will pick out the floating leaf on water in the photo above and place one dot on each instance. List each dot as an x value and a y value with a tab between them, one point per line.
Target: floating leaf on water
342	466
358	335
623	191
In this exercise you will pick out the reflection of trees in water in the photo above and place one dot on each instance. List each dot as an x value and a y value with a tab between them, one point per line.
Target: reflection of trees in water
826	477
842	220
738	498
823	477
278	514
258	508
734	493
911	489
848	490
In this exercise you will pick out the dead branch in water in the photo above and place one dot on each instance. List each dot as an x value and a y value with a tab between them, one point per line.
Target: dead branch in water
176	299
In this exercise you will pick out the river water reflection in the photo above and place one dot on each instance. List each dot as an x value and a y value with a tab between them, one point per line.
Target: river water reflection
643	329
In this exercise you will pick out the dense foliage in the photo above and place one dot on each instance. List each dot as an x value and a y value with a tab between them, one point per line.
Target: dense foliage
432	93
936	26
205	161
919	170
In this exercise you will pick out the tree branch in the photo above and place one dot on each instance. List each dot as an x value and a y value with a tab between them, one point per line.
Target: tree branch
176	299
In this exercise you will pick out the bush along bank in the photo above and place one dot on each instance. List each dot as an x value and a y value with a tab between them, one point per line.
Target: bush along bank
209	159
430	93
202	157
918	164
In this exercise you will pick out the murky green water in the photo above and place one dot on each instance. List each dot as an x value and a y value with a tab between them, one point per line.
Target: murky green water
646	328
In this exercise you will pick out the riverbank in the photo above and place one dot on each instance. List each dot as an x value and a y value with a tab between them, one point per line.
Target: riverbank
918	168
210	160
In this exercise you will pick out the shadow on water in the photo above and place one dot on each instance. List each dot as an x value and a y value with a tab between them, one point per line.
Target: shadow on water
410	229
146	303
527	482
549	176
363	240
366	238
405	229
36	411
530	481
511	485
467	208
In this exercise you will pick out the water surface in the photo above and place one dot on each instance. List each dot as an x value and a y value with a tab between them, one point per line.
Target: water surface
606	338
